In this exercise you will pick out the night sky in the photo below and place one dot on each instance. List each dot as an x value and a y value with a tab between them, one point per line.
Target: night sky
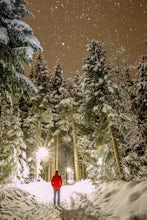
65	27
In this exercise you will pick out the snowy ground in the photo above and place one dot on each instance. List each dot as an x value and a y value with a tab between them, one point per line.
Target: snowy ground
115	200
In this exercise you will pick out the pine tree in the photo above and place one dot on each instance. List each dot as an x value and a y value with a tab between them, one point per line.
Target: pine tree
139	98
136	137
128	130
37	118
57	78
70	119
41	76
12	146
99	101
18	44
17	41
94	81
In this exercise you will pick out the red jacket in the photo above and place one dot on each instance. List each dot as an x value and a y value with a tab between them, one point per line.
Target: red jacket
56	181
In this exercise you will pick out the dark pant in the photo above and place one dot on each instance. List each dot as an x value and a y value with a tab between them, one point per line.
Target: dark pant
56	196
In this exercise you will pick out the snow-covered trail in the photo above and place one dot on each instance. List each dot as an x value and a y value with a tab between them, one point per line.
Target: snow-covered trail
43	191
74	202
82	209
34	201
116	200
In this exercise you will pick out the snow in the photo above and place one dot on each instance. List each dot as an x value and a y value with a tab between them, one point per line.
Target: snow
33	41
18	25
84	200
3	35
44	192
122	200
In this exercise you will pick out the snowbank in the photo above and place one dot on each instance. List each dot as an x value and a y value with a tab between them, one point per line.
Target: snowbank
122	200
16	204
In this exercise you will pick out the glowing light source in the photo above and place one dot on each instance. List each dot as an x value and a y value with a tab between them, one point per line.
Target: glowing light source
69	175
68	169
42	153
100	161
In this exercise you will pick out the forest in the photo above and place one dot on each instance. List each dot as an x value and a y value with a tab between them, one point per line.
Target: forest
94	123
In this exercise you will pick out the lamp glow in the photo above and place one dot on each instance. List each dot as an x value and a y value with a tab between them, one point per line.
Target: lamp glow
42	153
68	169
69	175
100	161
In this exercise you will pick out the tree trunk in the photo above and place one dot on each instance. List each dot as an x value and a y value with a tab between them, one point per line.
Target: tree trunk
83	171
57	152
38	133
46	142
49	171
116	155
53	157
45	174
38	143
76	165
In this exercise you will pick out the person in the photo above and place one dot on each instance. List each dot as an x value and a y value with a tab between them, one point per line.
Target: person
56	182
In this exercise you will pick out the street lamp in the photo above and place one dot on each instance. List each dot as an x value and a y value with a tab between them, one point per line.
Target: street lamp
41	154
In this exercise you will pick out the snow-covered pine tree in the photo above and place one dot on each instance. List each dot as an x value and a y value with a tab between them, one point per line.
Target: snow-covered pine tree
137	136
83	130
128	131
82	133
120	76
36	112
69	118
94	83
57	131
12	146
41	76
98	101
139	98
18	44
57	77
17	41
